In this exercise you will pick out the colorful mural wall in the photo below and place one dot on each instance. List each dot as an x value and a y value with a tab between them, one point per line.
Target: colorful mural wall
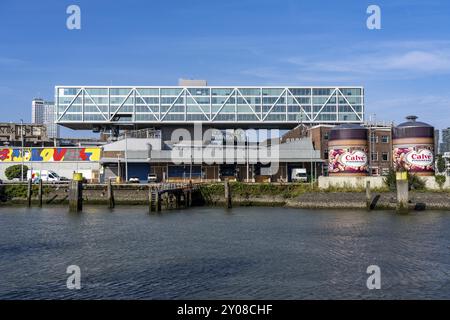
50	154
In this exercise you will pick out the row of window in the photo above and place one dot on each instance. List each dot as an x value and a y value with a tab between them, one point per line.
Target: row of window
212	91
215	108
219	100
384	156
199	117
375	138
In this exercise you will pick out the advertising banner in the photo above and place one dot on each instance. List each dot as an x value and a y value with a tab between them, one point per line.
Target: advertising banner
49	154
348	160
414	159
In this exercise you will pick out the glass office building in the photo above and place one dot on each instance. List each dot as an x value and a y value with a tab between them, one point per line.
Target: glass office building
43	112
84	107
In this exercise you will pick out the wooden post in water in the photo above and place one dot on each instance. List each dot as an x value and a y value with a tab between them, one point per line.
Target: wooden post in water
76	196
111	201
178	198
40	191
189	198
29	192
368	196
158	201
402	192
227	194
150	199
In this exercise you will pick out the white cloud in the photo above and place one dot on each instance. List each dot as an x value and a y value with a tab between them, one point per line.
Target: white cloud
5	61
434	109
402	60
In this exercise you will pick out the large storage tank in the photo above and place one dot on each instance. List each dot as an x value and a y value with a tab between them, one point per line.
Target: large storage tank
348	150
413	144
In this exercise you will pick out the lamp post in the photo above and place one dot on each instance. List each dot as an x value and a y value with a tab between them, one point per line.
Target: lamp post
126	157
21	152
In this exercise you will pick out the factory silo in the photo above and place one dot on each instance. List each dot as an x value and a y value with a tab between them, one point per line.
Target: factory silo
413	147
348	151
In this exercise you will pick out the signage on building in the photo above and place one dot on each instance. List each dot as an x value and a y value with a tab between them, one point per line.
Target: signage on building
50	154
414	159
348	160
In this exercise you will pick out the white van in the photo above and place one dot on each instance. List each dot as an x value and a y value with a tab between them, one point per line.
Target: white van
44	175
299	175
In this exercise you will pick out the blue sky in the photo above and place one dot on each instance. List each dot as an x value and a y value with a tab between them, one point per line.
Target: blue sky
405	66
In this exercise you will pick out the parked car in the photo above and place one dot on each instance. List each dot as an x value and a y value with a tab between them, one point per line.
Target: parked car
134	180
152	178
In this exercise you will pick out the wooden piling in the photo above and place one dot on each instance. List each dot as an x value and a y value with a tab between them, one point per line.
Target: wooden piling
368	196
228	194
76	196
40	192
189	198
111	200
151	203
158	201
29	192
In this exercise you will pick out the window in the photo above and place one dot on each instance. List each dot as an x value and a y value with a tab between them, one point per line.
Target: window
385	139
385	156
326	135
373	138
374	156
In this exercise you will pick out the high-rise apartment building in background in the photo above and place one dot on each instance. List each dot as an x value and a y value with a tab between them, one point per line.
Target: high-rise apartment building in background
445	145
43	112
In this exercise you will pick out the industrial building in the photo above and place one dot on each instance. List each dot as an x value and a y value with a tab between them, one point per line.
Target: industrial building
26	134
159	111
380	144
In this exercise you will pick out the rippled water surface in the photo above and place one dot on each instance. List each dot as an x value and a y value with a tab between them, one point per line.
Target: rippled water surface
209	253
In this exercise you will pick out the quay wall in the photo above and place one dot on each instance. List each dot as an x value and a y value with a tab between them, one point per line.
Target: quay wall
375	182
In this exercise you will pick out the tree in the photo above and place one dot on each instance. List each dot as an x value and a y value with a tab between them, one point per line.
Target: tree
440	163
14	172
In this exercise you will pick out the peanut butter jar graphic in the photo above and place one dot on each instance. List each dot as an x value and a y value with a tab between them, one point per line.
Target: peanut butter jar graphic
413	144
347	151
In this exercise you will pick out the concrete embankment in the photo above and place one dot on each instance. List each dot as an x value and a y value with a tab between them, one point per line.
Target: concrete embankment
342	200
59	194
276	195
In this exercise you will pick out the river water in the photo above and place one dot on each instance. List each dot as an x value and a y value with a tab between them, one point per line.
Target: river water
211	253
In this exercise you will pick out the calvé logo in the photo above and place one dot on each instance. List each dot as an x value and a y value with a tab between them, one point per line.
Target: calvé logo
422	158
354	159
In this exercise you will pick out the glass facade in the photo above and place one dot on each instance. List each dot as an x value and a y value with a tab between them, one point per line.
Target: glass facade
43	112
240	105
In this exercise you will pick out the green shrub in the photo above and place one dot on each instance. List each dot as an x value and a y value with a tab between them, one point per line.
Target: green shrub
440	163
390	180
15	171
440	180
414	181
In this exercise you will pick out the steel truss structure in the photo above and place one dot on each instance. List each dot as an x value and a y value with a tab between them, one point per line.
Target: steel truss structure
81	107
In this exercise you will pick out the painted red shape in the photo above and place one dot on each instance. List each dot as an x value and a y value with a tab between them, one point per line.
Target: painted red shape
58	155
83	154
4	154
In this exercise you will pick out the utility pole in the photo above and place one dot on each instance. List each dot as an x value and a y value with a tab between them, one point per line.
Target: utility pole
22	153
126	157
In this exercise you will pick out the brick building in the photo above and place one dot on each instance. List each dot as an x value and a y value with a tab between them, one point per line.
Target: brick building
380	144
